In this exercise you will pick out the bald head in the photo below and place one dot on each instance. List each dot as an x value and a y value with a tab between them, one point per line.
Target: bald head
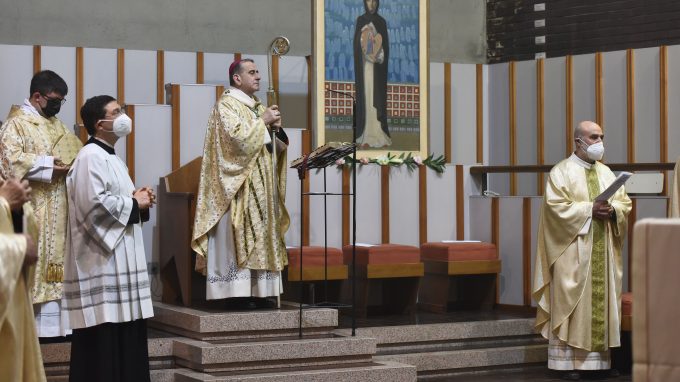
586	128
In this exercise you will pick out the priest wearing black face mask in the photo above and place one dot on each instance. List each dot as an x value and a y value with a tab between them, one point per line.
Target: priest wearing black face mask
37	146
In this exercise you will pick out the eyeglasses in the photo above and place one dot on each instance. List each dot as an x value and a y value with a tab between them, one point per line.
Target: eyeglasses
61	101
116	113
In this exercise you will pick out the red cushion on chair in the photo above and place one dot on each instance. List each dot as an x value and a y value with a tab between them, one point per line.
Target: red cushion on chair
313	256
383	254
458	251
627	304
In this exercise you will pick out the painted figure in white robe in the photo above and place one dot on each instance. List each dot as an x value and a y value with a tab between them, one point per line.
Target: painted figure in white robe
577	280
20	358
107	295
240	217
31	139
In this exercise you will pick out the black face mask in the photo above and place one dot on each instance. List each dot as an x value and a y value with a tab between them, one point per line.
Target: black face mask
52	108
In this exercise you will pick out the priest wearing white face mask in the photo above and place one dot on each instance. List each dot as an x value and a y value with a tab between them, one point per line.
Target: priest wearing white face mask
106	286
577	280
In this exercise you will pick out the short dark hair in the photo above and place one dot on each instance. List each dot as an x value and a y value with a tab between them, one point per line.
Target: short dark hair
93	110
236	67
46	82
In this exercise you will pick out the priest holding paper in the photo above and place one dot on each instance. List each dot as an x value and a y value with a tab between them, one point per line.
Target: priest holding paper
577	280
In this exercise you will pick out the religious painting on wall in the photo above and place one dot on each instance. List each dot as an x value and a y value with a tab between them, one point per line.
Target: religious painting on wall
374	52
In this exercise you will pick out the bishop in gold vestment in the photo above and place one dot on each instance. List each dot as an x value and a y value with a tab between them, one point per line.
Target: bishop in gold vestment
31	138
20	358
577	280
237	233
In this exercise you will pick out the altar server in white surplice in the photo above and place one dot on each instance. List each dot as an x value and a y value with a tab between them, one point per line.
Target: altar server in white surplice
106	285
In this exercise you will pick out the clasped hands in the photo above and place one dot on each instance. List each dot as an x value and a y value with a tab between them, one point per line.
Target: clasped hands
602	210
272	117
145	197
17	192
60	168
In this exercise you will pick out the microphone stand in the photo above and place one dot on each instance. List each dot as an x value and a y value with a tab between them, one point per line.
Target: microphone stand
354	204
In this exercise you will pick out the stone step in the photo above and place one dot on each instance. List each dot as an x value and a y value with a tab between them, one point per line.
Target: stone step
233	355
220	324
433	363
386	371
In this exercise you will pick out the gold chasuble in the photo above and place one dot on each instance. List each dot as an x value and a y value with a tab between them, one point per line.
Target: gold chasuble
24	137
20	358
236	176
577	279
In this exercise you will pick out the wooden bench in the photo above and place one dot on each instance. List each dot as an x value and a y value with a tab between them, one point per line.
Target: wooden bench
458	275
314	272
387	278
626	312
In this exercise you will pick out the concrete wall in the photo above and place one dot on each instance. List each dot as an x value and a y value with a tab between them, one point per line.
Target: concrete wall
457	26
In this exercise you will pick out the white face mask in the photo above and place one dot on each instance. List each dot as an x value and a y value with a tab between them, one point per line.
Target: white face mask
595	151
122	125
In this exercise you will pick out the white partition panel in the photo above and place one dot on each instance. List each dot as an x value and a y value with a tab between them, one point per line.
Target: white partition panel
525	79
140	76
647	105
153	159
293	91
121	149
463	113
180	67
196	103
536	203
16	71
480	218
100	72
293	188
369	216
62	61
673	102
436	107
510	251
216	68
554	110
404	212
333	219
499	151
441	205
584	88
615	124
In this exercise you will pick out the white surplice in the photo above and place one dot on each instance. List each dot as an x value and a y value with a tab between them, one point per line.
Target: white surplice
105	276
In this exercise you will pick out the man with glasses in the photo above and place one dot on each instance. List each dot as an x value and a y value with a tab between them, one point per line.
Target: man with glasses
31	139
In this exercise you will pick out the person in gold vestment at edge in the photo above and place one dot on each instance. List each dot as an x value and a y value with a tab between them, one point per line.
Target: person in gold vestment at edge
578	272
20	358
28	139
240	213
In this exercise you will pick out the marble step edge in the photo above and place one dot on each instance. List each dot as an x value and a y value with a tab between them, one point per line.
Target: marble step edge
405	334
466	344
185	319
202	355
386	371
60	352
468	359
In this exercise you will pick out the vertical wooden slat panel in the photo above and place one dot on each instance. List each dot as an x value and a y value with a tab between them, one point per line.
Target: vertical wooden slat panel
460	204
480	113
37	58
175	102
219	89
80	95
526	250
130	144
632	218
447	112
630	92
385	203
200	68
237	56
599	90
422	203
306	149
345	205
512	125
495	238
120	77
160	78
663	112
569	106
540	121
